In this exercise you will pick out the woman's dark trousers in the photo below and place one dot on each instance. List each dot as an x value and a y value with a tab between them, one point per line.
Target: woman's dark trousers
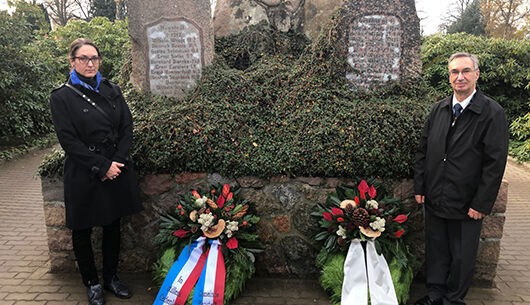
82	243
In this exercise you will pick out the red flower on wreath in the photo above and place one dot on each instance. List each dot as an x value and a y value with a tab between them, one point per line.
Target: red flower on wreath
232	243
327	216
336	211
400	218
398	234
363	188
372	192
181	233
226	190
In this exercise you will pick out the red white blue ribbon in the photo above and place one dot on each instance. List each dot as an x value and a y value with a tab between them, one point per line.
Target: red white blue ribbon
211	285
193	264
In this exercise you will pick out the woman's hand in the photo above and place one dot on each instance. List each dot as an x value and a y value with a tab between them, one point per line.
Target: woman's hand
114	171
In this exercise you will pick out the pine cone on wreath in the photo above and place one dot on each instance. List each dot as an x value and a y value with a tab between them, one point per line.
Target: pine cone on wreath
361	217
349	209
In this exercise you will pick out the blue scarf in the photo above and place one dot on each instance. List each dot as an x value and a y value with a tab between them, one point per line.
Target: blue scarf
74	79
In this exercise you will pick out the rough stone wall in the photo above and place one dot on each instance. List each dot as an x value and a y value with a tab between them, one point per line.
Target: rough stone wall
286	228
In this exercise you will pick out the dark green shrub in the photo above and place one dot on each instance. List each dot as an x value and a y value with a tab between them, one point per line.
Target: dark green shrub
111	38
504	67
287	112
25	84
520	145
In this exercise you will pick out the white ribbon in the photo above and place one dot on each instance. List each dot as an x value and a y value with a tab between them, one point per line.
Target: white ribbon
379	279
354	286
211	273
359	274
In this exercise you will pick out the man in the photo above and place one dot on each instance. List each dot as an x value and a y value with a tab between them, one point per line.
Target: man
458	171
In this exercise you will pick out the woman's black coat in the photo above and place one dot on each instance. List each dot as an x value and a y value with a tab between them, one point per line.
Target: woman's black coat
91	142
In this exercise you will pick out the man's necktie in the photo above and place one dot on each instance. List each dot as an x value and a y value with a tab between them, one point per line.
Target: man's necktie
457	109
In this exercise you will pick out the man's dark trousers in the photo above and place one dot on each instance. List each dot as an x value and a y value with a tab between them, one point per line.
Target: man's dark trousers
451	250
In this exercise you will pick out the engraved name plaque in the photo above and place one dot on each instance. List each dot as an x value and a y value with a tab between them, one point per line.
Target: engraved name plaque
374	50
175	56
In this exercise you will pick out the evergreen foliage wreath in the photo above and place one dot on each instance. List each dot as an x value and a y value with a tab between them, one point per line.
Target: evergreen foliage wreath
348	214
232	221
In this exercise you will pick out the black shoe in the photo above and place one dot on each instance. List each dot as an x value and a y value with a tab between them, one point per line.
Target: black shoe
118	288
426	300
95	295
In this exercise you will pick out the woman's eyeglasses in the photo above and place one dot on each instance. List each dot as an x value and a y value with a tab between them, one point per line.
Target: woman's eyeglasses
84	60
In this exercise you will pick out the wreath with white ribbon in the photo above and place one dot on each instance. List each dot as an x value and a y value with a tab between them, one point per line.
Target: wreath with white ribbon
364	259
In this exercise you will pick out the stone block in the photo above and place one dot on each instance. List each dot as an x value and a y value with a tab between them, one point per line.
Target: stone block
502	198
279	179
492	226
484	275
300	256
314	181
271	262
334	182
185	178
216	179
52	189
282	223
54	214
287	194
61	261
232	16
250	181
166	203
317	15
488	251
317	195
302	220
59	239
265	204
152	185
265	232
405	189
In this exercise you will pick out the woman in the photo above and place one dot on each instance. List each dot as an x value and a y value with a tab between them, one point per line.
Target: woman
94	127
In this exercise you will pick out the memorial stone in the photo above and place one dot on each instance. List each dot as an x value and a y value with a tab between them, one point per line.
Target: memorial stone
171	42
232	16
318	15
382	42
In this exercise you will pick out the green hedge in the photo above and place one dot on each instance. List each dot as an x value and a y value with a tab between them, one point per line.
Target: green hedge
504	67
520	145
273	108
25	84
111	38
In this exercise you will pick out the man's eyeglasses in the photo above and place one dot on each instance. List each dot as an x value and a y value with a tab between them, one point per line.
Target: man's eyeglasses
84	60
465	72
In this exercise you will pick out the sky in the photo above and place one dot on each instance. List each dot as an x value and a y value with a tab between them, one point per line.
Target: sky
431	13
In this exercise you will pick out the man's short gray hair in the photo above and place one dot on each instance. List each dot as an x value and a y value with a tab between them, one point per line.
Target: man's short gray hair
464	54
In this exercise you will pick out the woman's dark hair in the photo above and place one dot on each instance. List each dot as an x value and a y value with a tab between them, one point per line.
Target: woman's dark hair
79	42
